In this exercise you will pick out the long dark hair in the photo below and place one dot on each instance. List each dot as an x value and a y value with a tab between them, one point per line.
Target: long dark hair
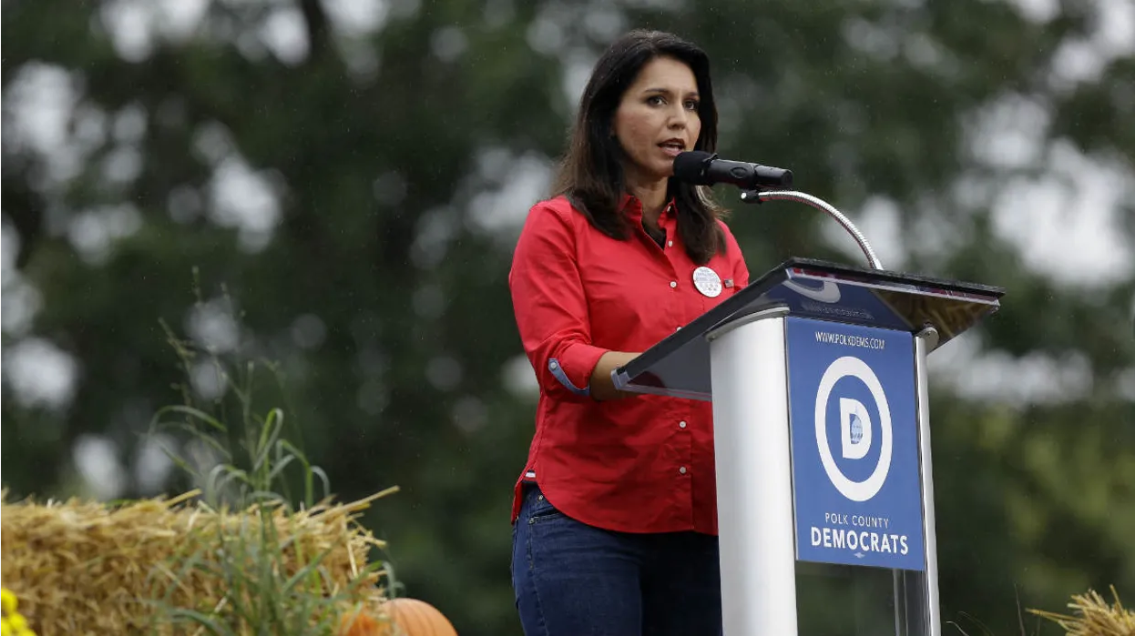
591	173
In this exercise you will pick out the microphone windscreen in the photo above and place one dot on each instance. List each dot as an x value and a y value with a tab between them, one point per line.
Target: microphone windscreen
690	167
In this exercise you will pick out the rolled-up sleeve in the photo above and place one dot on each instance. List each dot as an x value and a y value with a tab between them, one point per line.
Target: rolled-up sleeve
550	305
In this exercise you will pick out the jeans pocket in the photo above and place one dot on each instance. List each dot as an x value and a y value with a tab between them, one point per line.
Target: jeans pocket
539	509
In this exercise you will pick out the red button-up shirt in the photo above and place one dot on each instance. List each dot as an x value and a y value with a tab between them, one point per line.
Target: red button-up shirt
640	464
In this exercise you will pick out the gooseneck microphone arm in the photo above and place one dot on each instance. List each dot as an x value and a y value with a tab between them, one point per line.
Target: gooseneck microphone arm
759	183
755	196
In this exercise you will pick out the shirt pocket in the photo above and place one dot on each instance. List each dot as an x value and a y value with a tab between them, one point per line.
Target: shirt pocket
629	307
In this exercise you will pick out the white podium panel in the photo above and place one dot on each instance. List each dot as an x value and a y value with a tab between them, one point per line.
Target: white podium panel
754	476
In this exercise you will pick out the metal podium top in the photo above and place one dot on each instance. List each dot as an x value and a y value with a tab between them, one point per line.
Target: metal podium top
679	364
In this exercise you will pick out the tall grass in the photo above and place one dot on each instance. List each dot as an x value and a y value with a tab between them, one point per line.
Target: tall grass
271	578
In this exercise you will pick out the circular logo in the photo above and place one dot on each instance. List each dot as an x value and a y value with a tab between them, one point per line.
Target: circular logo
707	281
856	368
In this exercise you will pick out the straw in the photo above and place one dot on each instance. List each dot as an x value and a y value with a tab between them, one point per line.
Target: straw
87	568
1092	616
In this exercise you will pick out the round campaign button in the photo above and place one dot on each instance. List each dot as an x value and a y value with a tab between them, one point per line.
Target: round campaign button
707	281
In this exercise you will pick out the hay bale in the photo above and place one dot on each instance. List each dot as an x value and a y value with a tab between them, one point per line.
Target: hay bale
86	568
1092	616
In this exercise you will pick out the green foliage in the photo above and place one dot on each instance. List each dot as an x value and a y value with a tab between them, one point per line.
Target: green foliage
395	166
251	543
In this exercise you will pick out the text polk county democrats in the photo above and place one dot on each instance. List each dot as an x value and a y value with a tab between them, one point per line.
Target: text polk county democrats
859	540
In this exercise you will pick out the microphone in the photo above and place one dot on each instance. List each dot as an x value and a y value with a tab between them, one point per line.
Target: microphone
703	168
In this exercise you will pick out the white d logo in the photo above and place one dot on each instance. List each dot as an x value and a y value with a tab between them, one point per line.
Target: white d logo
855	428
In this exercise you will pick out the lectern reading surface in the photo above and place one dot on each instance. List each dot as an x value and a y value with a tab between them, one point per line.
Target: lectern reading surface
679	364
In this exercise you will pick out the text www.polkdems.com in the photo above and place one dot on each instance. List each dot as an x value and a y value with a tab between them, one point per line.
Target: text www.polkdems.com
849	341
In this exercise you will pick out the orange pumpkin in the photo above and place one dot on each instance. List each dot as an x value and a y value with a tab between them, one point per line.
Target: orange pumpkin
417	618
407	617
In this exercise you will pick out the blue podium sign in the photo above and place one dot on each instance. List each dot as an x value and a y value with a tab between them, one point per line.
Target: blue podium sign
856	478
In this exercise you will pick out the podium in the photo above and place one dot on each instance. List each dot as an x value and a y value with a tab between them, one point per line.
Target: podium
817	374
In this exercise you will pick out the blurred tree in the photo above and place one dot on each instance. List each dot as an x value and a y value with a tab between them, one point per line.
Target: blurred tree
353	175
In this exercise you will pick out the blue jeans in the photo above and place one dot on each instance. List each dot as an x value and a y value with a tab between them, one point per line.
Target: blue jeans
572	579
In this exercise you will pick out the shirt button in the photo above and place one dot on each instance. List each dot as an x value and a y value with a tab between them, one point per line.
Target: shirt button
669	243
673	284
681	425
682	470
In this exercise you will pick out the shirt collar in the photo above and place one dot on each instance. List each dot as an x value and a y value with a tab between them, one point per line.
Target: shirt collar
631	204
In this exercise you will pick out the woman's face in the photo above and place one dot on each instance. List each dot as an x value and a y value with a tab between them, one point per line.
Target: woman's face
657	119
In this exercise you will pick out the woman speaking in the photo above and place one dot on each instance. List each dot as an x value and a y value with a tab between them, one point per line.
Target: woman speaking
614	516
